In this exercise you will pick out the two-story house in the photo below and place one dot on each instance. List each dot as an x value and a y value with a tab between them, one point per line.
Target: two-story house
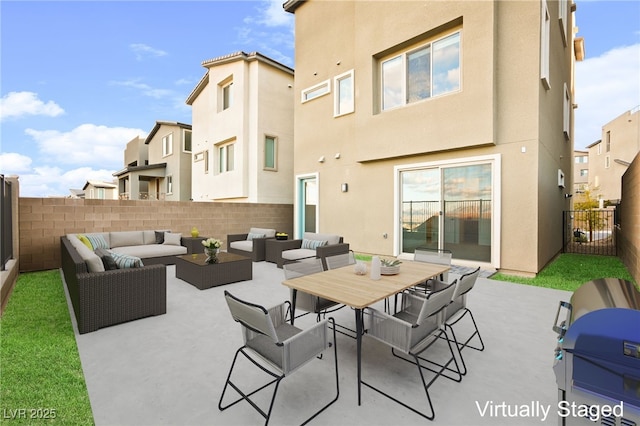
436	124
159	166
610	156
242	113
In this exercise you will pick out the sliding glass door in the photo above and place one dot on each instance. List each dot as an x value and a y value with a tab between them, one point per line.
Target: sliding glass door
448	206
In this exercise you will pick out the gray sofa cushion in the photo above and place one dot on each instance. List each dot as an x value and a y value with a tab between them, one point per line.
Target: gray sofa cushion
329	238
126	238
246	245
93	261
296	254
151	250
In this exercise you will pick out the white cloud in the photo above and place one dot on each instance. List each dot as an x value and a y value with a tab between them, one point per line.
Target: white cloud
18	104
87	145
269	42
143	51
144	88
12	163
49	181
606	87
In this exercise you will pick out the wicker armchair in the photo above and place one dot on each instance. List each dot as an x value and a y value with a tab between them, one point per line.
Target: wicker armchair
251	244
413	330
271	344
326	245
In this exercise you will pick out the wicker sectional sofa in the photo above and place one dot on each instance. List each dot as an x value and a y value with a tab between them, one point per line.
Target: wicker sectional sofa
102	298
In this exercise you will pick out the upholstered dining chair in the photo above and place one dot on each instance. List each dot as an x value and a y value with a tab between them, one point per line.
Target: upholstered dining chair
277	348
305	301
415	328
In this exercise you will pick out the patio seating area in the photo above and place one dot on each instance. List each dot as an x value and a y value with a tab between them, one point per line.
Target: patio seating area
171	369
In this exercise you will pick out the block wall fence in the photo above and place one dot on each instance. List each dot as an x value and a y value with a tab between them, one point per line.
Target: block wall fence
43	220
628	235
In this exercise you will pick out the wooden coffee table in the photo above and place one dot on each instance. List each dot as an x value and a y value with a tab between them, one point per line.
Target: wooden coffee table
229	268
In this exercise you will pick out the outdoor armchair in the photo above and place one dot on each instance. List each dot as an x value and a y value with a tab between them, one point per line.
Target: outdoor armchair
414	329
276	348
251	244
311	245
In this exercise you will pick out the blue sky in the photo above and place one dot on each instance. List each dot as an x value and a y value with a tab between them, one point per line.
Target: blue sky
79	79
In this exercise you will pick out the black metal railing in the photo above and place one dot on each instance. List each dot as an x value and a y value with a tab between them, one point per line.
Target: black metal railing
6	225
589	231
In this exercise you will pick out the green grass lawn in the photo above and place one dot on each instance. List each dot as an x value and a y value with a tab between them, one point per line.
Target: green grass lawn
569	271
41	376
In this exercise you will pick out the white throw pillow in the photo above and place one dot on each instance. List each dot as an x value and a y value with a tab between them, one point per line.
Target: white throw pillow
172	239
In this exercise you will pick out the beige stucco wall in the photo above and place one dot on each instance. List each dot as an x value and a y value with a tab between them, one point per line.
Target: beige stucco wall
624	133
628	235
501	111
43	220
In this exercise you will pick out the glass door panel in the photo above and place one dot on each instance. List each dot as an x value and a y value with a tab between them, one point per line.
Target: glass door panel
420	209
467	202
308	202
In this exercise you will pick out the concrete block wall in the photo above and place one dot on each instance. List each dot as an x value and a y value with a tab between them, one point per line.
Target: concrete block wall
629	232
44	220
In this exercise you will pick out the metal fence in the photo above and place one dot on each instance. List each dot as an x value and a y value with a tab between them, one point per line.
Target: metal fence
589	231
6	225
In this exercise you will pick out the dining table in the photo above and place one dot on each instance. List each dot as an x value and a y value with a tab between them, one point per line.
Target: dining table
344	286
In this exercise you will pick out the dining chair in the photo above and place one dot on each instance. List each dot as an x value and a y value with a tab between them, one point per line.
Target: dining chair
305	301
439	256
340	260
277	348
412	331
457	310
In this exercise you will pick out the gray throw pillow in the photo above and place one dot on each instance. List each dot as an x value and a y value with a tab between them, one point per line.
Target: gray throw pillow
107	259
159	237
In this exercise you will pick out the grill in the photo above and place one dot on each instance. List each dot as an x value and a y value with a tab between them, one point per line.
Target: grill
597	360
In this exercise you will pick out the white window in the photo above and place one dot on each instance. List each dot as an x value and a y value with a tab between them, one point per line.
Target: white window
227	96
270	153
101	193
186	140
316	91
562	13
344	94
599	148
607	146
607	162
226	154
584	172
427	71
167	145
206	161
545	26
566	119
169	180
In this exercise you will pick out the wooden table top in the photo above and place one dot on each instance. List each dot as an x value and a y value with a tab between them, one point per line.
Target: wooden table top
342	285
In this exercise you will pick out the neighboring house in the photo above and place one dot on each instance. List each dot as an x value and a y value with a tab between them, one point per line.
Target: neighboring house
76	193
438	124
96	190
610	156
242	114
159	166
580	173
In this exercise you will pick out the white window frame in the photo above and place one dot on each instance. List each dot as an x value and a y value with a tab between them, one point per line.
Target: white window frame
225	85
169	184
226	152
199	156
275	153
545	40
167	145
607	161
599	148
350	108
316	91
566	113
184	140
403	59
563	8
206	161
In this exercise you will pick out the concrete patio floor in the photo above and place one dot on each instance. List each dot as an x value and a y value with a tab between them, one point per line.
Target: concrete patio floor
170	369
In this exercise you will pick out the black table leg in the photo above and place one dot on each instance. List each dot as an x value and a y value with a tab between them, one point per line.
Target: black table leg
359	329
294	295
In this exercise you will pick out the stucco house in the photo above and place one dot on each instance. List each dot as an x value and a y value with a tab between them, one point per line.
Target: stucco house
159	166
242	115
438	124
580	173
98	190
610	156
